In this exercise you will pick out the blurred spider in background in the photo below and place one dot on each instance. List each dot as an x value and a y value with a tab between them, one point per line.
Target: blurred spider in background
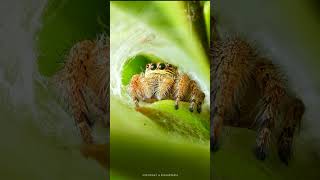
84	84
249	90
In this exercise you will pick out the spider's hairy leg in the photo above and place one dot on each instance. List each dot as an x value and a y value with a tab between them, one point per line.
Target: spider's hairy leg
197	97
76	68
292	119
273	91
98	79
232	67
80	115
136	88
165	88
182	89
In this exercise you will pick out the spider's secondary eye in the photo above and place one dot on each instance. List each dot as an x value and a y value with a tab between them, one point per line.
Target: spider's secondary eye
153	66
147	66
161	66
169	65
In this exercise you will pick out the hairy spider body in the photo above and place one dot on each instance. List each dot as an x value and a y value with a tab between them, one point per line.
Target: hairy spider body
248	90
163	81
84	81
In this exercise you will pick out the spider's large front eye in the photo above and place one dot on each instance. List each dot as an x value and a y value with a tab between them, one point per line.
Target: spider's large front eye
153	66
161	66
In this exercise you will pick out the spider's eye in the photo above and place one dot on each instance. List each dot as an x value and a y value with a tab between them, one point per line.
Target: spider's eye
161	66
169	65
153	66
147	66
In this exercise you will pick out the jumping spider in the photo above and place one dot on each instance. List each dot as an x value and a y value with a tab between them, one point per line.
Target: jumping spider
83	82
248	89
164	81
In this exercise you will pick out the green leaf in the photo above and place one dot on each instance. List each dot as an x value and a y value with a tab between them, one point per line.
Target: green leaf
180	122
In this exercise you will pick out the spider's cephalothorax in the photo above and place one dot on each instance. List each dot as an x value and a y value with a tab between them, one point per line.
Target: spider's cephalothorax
163	81
83	82
248	90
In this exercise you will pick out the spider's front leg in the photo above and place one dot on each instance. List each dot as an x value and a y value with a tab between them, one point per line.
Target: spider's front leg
196	97
79	60
182	88
273	91
188	90
292	120
79	109
232	64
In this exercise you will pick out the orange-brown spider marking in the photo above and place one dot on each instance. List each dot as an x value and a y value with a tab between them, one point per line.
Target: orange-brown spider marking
163	81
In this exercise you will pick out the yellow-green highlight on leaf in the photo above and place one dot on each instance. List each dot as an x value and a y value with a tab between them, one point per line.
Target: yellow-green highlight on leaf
124	119
181	122
206	14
